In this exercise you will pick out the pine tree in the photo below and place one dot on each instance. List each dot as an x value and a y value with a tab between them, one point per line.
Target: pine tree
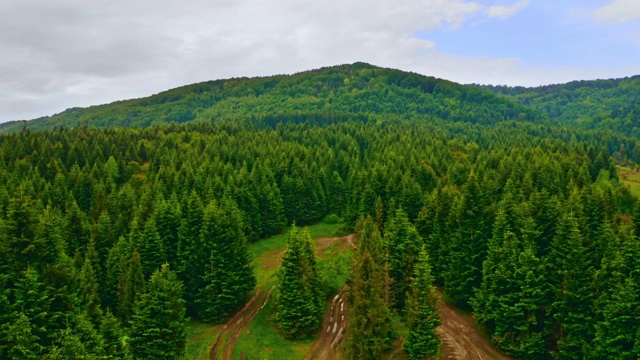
468	246
158	326
299	297
151	251
403	243
190	251
228	278
370	327
112	337
134	287
89	291
422	341
574	296
21	342
615	335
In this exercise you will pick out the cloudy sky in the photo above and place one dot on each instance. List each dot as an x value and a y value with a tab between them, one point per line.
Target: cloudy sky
64	53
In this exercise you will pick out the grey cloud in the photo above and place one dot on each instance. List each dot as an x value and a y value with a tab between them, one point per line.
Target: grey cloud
65	53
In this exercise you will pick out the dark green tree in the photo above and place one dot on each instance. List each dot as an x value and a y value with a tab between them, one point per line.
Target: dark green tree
158	325
423	318
370	328
299	296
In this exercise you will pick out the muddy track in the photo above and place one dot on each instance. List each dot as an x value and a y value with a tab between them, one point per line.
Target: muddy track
235	325
460	338
329	344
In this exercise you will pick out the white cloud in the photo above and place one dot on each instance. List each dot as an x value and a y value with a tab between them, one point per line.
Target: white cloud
504	12
620	11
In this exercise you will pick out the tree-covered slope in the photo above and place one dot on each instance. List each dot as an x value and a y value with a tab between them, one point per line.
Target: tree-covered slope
357	88
612	104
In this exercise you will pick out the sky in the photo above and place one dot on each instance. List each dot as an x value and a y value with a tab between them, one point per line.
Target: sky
66	53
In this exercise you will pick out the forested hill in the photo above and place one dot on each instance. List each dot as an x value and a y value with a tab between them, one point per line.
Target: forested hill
357	88
612	104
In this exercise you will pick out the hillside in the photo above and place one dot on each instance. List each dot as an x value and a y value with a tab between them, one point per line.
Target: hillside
346	89
612	104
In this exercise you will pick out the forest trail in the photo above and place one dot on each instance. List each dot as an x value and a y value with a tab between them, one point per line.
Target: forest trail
236	325
460	338
334	326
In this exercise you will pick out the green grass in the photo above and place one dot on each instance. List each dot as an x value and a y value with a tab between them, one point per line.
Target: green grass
261	337
631	178
204	335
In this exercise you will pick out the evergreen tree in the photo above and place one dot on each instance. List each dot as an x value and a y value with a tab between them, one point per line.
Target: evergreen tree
468	246
112	337
190	250
158	326
134	287
615	335
370	327
89	291
228	278
151	251
403	246
422	341
299	297
20	340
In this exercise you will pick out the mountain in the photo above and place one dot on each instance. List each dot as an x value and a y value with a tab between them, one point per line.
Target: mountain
345	89
612	104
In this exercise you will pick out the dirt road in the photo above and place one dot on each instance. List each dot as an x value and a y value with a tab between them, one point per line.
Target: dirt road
334	327
235	326
460	339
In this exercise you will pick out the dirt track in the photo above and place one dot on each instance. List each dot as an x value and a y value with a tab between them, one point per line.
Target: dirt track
234	327
334	326
460	339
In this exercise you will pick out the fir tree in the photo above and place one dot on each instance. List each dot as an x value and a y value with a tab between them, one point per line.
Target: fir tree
151	251
20	340
370	328
403	246
422	341
158	326
228	278
299	297
89	291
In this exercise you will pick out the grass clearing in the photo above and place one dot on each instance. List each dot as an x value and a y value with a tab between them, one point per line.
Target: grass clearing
200	336
261	340
631	178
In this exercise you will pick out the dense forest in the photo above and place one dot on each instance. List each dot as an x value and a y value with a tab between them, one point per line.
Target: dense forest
113	237
599	104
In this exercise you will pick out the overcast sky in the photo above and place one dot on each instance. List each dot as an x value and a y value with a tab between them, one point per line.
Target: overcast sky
65	53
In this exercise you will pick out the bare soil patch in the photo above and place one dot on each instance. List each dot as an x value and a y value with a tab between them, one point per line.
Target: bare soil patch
460	338
329	344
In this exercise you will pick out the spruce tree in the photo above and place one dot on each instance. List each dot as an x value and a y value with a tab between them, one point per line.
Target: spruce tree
112	337
370	328
299	298
158	326
151	251
20	340
228	276
468	246
423	318
403	246
89	291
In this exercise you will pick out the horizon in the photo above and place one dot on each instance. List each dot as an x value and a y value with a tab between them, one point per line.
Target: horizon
75	56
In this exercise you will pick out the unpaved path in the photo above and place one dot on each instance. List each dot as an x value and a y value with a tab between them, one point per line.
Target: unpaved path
334	327
460	338
234	326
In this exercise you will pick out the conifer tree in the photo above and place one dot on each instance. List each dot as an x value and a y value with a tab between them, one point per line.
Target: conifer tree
112	337
228	277
468	246
573	294
158	326
422	341
20	340
403	246
370	327
615	335
190	251
299	297
89	291
134	286
167	218
151	251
